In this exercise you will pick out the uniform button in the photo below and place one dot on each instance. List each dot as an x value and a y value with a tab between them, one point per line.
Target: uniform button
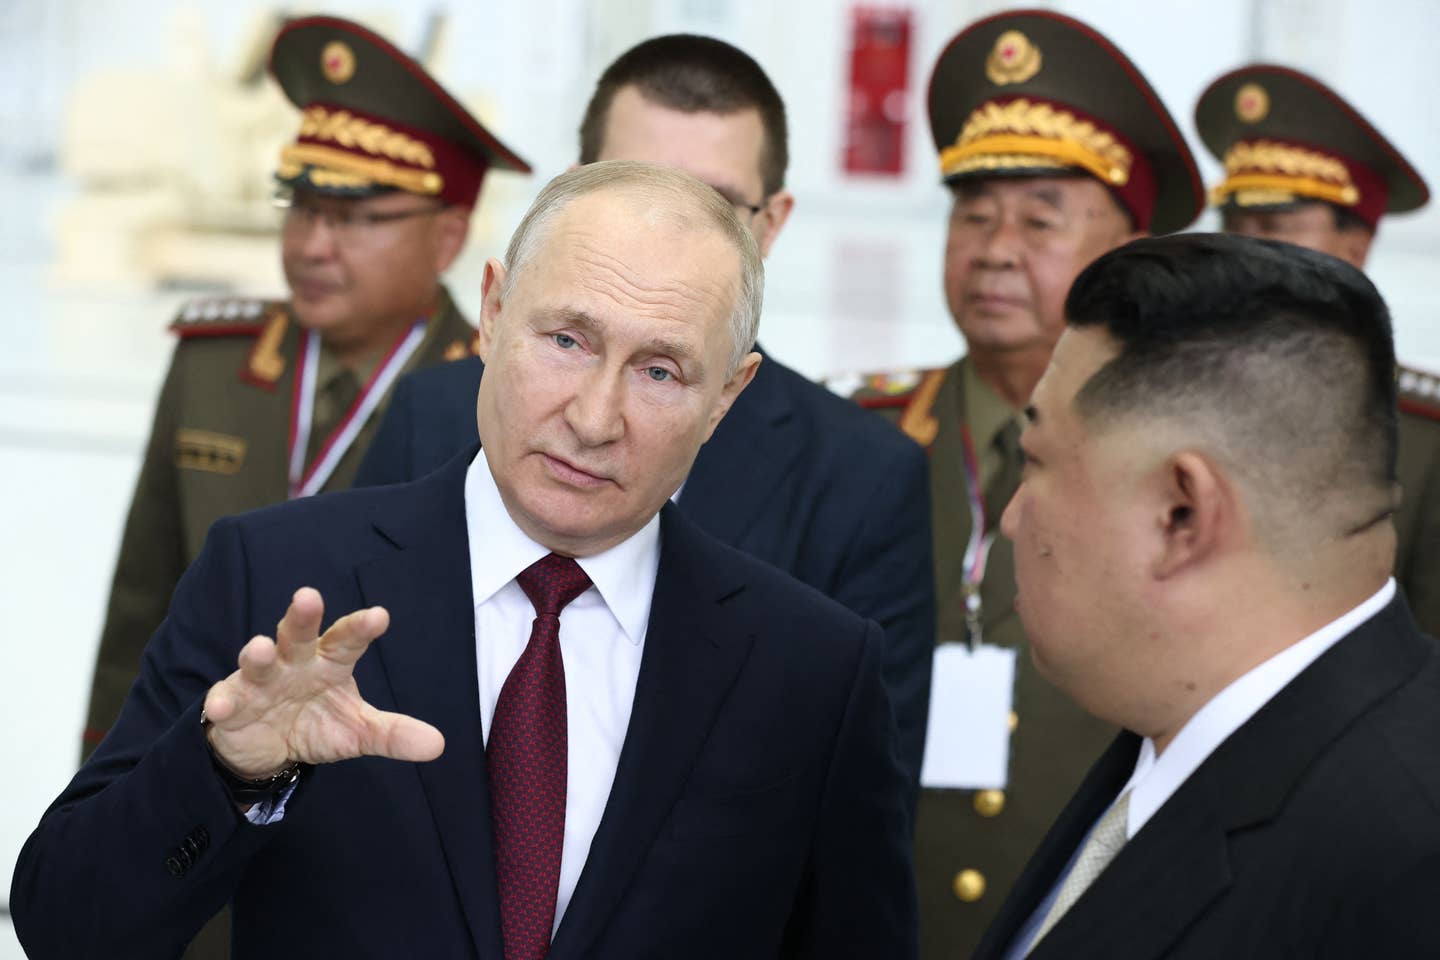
176	868
202	837
1014	720
989	803
969	885
192	847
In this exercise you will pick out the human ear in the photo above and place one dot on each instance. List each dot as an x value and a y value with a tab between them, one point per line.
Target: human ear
1196	509
491	286
743	375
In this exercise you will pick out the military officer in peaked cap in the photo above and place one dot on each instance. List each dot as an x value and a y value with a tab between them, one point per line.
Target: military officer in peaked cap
269	400
1303	166
1055	149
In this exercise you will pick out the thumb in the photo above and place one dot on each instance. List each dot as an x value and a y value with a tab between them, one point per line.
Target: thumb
401	737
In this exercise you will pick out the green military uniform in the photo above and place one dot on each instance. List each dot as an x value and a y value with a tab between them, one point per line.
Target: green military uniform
219	445
1017	94
1417	561
972	844
373	122
1287	140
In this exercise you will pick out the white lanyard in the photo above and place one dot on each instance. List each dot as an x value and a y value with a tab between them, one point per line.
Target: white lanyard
304	483
977	551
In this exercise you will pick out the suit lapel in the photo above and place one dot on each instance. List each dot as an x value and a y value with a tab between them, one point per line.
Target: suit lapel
1166	876
736	472
429	660
694	650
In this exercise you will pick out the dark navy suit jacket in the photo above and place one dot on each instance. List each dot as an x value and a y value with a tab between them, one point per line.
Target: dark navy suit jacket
794	475
756	809
1312	831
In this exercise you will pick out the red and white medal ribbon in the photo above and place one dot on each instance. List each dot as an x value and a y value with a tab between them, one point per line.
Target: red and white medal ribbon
977	551
304	483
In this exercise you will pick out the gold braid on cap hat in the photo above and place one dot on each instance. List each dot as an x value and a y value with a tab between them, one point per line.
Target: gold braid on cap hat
1023	134
1266	172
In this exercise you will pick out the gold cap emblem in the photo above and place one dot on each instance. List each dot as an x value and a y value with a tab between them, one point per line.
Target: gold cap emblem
1014	60
337	61
1252	103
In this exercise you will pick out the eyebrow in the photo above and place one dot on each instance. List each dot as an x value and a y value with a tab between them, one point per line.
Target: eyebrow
1049	195
678	349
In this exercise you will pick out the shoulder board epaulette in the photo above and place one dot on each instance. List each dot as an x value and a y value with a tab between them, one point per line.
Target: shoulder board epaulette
222	317
460	349
1419	392
911	392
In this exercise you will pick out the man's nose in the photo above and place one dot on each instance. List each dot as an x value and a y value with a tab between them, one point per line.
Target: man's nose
1001	246
321	237
596	412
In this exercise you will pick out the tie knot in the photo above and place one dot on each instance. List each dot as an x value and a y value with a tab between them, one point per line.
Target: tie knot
552	582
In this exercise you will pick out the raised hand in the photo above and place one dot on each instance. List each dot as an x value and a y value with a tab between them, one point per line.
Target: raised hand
294	698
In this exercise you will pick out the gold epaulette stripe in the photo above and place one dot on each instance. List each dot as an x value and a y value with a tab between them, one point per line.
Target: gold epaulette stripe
918	422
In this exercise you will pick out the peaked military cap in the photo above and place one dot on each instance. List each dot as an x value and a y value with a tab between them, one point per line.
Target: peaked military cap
1030	92
373	120
1284	137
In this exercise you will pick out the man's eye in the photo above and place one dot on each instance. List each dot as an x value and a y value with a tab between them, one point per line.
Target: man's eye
1035	223
659	374
564	341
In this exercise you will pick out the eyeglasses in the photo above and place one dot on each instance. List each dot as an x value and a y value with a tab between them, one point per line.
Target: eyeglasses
345	222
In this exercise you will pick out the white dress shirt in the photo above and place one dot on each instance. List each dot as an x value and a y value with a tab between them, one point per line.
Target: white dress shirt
602	634
1157	778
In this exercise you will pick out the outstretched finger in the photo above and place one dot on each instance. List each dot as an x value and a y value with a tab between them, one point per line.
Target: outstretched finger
401	737
299	629
350	636
259	661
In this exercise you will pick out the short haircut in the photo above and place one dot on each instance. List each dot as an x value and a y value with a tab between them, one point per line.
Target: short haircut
693	74
671	192
1280	360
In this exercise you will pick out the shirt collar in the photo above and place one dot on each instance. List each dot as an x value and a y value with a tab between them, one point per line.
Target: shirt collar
1157	778
624	575
985	411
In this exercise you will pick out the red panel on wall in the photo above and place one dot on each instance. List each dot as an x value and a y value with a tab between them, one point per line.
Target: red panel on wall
877	107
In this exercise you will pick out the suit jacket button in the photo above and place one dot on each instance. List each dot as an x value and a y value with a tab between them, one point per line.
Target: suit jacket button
989	803
192	847
969	885
176	868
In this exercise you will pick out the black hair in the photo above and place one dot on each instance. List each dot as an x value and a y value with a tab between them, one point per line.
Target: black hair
693	74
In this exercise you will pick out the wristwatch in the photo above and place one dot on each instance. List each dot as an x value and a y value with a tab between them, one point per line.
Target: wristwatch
245	791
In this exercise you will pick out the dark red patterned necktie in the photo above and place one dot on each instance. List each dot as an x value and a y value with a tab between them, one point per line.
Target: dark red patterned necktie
526	759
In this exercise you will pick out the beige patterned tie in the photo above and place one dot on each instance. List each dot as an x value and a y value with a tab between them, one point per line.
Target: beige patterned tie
1105	841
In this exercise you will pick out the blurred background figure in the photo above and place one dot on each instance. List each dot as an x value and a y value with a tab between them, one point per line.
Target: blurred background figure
1055	150
266	400
1303	166
137	158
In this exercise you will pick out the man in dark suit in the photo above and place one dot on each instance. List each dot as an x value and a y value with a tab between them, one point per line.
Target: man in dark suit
794	475
693	758
1205	550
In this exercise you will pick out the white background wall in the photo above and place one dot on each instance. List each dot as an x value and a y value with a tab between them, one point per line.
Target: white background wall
854	282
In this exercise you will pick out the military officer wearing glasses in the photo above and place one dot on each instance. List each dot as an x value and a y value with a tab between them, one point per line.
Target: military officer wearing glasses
269	400
1303	166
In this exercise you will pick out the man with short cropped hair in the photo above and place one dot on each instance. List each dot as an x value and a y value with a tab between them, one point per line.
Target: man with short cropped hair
1204	549
794	476
590	730
1303	166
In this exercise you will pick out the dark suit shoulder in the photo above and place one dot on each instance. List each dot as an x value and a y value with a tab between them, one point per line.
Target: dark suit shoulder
773	600
445	379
